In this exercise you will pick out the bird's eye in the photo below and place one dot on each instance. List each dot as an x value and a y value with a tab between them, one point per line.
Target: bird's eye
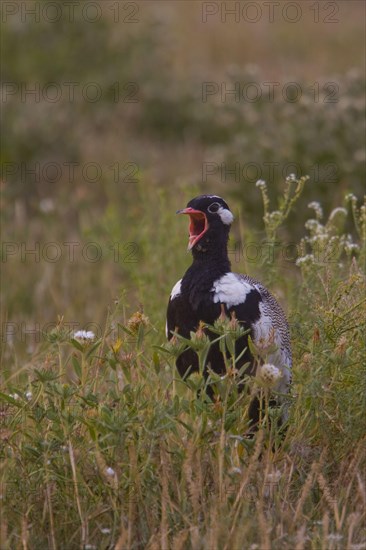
213	207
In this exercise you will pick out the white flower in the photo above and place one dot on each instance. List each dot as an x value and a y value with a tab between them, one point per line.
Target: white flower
271	483
28	395
314	226
261	184
235	470
105	530
110	472
351	247
291	177
350	197
84	336
315	205
269	374
275	216
273	478
308	259
46	205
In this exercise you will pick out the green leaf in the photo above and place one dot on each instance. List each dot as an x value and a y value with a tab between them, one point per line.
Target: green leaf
156	361
93	348
76	344
10	399
76	365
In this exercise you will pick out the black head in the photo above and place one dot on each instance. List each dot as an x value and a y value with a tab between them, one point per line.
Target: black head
210	221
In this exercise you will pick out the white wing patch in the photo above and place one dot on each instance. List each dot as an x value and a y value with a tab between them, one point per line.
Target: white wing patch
225	215
230	290
176	290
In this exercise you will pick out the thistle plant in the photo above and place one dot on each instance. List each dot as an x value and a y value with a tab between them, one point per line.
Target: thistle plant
275	218
359	220
327	243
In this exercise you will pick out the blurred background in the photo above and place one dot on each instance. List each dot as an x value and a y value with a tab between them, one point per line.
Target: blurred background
116	113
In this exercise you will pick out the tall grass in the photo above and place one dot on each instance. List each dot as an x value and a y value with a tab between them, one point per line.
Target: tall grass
104	447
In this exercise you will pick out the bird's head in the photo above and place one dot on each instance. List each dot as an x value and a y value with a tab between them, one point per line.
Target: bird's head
210	221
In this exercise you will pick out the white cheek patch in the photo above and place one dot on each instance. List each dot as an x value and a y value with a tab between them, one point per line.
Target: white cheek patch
225	215
230	290
176	290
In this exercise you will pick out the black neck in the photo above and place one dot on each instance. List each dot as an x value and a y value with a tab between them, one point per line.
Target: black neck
209	264
212	247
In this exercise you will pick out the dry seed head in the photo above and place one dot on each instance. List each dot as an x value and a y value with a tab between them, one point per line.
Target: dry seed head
234	323
218	404
222	322
232	372
136	320
200	333
316	334
269	375
306	359
199	337
341	345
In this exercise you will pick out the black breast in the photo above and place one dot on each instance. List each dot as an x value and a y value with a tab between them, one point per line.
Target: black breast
184	316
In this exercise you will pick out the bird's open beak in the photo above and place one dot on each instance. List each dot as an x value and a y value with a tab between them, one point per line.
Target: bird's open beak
197	227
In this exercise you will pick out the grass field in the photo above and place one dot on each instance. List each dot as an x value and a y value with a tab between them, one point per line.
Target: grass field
102	446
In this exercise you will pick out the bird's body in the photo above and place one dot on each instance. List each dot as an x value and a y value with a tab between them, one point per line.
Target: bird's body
209	288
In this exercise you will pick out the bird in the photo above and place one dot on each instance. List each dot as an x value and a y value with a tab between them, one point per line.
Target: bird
210	289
